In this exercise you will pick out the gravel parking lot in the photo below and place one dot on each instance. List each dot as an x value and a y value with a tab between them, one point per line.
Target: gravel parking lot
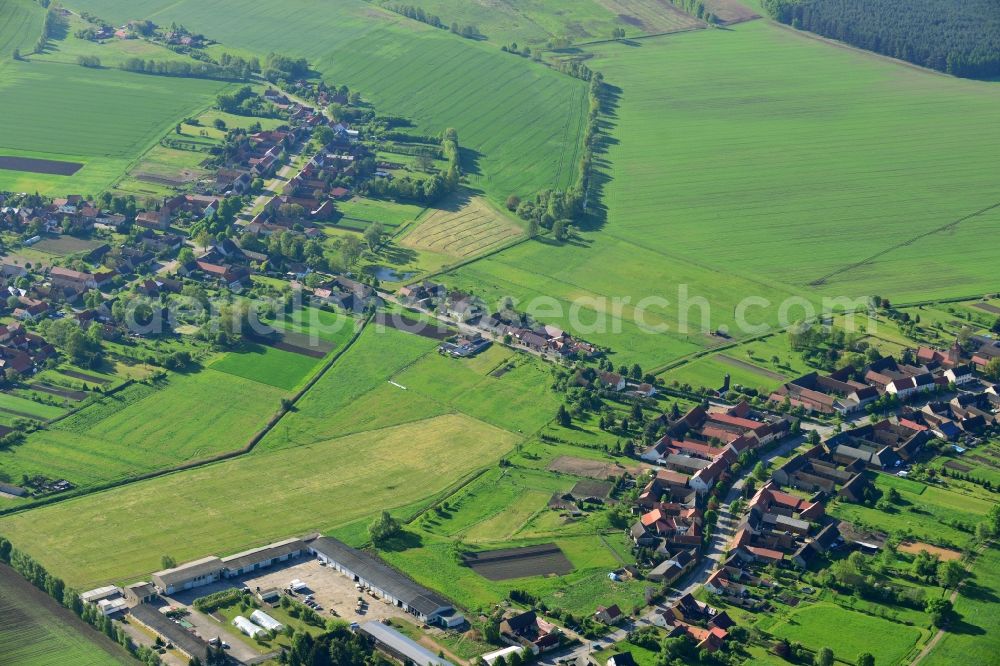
331	589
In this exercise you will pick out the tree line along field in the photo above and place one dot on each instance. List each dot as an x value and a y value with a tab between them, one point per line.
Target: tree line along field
963	40
518	122
103	119
36	631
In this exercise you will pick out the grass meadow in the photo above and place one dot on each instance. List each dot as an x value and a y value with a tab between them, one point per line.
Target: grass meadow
811	626
507	507
254	499
114	117
139	429
36	631
267	365
927	515
976	639
519	122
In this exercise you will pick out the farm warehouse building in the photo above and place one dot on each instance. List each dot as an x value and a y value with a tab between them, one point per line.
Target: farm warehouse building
385	581
399	646
210	569
205	571
170	631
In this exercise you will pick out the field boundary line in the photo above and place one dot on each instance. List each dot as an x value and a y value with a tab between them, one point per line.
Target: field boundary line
202	462
910	241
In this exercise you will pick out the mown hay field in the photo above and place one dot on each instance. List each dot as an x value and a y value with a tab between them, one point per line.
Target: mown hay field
468	228
254	499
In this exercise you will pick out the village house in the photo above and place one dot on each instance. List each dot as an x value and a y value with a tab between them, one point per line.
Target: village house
529	631
826	394
704	624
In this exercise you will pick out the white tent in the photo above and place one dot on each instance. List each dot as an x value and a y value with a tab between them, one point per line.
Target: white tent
266	621
246	626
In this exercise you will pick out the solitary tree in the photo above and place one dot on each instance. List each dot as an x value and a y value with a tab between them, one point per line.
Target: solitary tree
866	659
941	612
950	574
563	417
385	527
824	657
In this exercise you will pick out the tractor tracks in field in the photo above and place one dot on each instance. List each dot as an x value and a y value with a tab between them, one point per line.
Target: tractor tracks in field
867	260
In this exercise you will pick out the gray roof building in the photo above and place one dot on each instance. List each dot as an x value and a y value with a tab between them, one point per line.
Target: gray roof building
188	575
385	580
184	640
399	646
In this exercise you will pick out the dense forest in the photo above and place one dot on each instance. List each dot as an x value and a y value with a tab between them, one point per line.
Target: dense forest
960	37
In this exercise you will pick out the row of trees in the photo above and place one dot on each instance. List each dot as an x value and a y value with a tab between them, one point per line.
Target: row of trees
958	38
557	210
181	68
696	8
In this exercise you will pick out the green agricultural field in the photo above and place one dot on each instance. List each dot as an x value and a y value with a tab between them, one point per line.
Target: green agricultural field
433	564
36	631
327	326
976	640
267	365
720	155
355	395
139	429
716	156
811	625
114	118
519	121
360	212
17	406
253	499
520	399
20	27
